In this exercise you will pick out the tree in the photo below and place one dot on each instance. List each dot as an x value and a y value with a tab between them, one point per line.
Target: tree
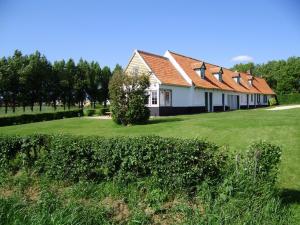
118	69
128	98
58	84
36	73
5	74
70	80
80	85
93	83
244	67
105	78
16	64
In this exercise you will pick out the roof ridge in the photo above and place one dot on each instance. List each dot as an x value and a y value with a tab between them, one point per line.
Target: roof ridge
149	53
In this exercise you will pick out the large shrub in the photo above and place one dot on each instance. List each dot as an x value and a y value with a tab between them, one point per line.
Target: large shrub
29	118
128	98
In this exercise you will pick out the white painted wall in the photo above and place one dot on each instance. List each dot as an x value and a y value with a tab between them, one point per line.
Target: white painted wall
181	96
191	96
243	99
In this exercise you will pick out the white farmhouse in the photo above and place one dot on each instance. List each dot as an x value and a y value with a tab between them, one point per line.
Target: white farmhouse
184	85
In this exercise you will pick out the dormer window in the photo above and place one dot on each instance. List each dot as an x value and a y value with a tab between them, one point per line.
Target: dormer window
250	82
218	76
237	77
218	73
199	68
202	72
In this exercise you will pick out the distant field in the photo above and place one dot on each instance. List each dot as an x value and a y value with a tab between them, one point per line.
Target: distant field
234	129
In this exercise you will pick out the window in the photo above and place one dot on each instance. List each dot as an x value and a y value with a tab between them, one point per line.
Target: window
154	97
237	79
250	82
258	98
202	72
251	97
165	98
218	76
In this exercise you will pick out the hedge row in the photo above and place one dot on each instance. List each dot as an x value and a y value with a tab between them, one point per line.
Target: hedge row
293	98
171	162
93	112
29	118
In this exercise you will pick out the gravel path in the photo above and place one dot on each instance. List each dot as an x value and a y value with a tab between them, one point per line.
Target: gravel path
285	107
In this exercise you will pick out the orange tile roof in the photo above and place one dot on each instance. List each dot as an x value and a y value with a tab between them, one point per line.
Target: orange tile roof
262	86
163	69
188	64
210	82
168	74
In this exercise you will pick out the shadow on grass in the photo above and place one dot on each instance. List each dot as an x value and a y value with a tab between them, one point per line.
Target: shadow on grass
290	196
164	120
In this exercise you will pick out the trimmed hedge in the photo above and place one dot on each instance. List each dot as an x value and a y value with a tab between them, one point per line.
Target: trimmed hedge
293	98
93	112
29	118
171	162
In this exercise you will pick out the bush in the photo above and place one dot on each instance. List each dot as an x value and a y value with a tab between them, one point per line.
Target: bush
128	98
222	188
171	162
272	102
29	118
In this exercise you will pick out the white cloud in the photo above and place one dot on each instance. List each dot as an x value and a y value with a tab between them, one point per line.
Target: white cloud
242	58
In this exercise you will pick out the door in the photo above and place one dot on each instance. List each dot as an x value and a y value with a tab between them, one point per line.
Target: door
247	101
211	101
223	101
238	101
206	101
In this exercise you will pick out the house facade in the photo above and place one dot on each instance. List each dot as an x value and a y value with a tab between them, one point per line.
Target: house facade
183	85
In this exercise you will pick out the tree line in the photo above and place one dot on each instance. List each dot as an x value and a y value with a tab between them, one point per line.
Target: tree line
282	75
26	80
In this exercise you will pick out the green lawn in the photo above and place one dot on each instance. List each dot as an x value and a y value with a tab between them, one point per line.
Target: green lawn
233	129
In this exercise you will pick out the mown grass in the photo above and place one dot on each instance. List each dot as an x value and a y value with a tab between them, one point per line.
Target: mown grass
233	129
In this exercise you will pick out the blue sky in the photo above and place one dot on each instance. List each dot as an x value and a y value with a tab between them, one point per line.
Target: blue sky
108	31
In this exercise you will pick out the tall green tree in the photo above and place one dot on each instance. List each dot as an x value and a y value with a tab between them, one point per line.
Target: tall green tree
70	81
105	78
118	69
16	64
36	73
93	83
81	80
5	84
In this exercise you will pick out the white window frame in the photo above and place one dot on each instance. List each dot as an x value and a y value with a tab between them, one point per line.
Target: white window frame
151	102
